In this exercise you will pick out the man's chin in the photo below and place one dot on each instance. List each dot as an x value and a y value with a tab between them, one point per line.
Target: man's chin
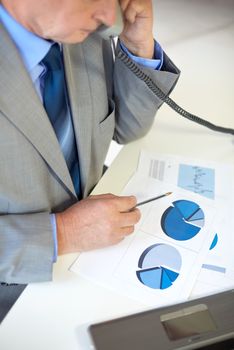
71	39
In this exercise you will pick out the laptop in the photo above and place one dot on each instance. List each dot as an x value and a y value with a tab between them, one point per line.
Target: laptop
206	323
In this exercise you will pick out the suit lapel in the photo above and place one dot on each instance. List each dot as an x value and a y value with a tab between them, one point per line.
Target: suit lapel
81	106
22	106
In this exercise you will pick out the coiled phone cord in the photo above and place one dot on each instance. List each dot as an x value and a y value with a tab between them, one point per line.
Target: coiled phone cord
160	94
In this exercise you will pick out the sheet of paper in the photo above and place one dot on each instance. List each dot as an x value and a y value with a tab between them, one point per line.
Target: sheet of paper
210	282
217	273
157	265
211	180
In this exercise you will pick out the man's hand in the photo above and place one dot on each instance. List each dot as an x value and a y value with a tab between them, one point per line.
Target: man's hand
96	222
137	35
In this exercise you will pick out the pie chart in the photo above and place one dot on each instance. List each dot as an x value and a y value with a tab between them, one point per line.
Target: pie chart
159	266
183	220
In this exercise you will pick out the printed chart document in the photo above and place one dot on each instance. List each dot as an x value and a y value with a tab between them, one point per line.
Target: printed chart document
211	180
158	264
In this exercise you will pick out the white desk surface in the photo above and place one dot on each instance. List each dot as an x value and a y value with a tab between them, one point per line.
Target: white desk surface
50	315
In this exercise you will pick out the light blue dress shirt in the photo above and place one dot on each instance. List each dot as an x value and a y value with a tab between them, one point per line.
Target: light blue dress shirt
33	49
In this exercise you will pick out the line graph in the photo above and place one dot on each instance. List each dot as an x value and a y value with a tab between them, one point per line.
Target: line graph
197	179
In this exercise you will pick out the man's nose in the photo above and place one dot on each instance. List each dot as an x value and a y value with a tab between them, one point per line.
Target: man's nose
107	13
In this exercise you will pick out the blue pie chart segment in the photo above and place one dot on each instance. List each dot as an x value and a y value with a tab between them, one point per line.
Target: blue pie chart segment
160	255
197	216
159	266
183	220
165	280
171	274
214	243
151	277
186	208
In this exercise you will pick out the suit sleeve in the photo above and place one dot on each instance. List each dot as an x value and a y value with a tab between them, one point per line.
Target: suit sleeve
136	104
26	248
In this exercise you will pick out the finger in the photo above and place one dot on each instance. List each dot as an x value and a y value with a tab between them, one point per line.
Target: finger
136	8
125	203
102	196
126	231
130	218
120	203
130	13
124	4
118	239
121	234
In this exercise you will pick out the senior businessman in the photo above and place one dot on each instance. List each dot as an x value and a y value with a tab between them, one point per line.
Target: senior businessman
63	98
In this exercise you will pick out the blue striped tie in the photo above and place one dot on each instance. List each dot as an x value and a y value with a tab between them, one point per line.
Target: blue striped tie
56	106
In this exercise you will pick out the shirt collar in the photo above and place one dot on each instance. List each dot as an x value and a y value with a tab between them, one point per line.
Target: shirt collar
32	48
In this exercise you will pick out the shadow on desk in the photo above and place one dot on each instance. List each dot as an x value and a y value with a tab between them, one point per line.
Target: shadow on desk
9	293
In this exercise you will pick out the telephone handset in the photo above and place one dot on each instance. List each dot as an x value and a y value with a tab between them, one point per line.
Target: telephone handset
115	30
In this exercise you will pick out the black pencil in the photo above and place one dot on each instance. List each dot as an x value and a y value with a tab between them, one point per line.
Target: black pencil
153	199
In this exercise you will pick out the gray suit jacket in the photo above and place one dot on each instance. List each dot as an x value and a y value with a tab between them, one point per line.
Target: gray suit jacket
107	101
